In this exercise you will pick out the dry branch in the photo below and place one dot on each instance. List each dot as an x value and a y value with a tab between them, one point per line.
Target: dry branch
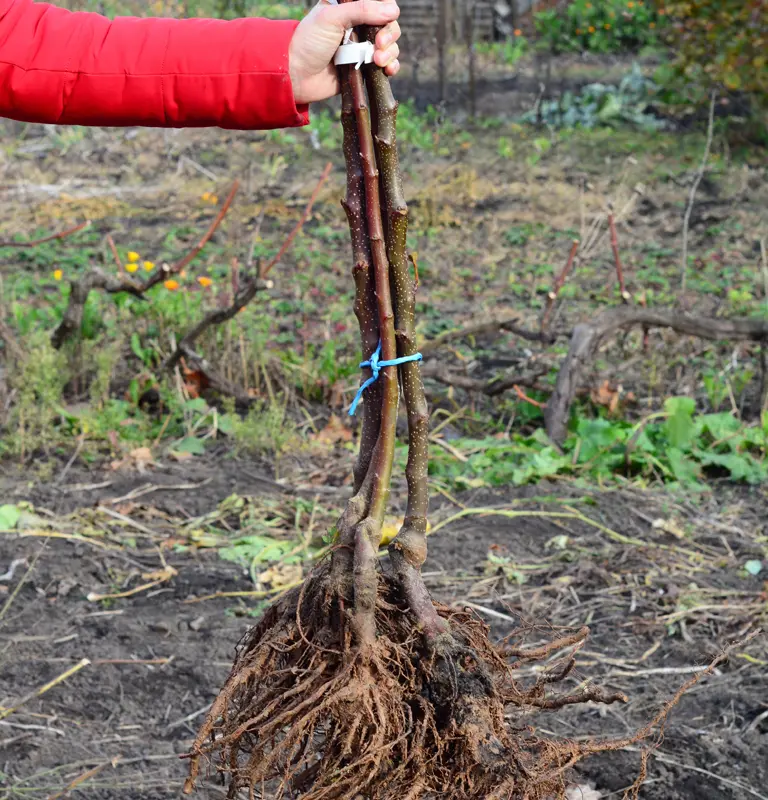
113	250
95	278
558	285
299	225
98	279
488	386
587	337
162	274
617	258
52	237
243	295
500	320
694	188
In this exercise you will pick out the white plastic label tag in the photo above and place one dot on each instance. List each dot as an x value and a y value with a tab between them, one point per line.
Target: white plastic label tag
357	53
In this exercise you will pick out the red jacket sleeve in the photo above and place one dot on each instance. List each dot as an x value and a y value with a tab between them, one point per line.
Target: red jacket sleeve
63	67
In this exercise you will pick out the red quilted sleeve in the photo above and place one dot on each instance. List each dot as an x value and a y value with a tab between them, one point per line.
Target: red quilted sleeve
58	66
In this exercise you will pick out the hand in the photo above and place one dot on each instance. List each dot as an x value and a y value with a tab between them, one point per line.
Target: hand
319	34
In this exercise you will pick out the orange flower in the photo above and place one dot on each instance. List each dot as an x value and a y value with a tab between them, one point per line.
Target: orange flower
652	25
630	5
607	26
183	274
518	32
591	29
204	281
578	31
171	285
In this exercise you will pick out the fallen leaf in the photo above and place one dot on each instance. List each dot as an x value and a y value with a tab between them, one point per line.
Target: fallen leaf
281	575
669	526
140	459
391	528
337	395
160	574
181	455
605	396
195	381
9	517
335	431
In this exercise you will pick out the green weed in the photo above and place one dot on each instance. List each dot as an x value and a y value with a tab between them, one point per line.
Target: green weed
509	52
39	382
675	446
602	26
265	429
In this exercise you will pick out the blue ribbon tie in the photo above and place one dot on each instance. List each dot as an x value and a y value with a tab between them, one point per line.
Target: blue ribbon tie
376	365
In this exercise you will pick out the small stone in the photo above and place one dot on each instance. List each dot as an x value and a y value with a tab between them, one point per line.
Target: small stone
65	587
197	623
160	627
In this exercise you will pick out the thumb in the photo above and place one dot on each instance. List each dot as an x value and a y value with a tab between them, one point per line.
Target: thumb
362	12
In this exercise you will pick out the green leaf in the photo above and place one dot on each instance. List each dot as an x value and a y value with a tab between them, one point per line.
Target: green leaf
754	566
596	435
741	467
136	347
227	424
719	426
610	108
196	404
9	517
191	445
258	549
679	424
683	468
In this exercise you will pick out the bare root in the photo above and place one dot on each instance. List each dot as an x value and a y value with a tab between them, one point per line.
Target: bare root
306	714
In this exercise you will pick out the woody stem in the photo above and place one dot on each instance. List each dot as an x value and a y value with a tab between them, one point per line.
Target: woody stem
408	550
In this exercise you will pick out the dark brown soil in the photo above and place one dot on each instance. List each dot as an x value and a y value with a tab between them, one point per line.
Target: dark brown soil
121	726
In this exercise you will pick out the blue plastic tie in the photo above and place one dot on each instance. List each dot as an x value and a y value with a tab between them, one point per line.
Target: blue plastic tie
376	366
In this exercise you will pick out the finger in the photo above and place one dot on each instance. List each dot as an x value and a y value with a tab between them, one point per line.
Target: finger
363	12
388	34
385	57
393	68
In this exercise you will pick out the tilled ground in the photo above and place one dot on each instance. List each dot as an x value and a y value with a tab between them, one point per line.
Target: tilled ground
660	604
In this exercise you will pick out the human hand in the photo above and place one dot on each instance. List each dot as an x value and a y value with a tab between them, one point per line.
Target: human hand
319	34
